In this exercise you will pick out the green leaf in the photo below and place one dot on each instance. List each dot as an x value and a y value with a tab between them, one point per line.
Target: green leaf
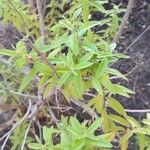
43	80
27	79
86	57
98	5
96	84
126	137
90	47
53	53
114	104
112	47
65	78
20	47
97	123
102	68
7	52
73	43
133	122
48	89
116	73
121	90
20	62
83	65
100	143
85	12
78	85
84	28
105	81
36	146
77	13
41	67
70	61
119	120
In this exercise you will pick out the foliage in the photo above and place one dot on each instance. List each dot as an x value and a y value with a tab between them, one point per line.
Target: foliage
76	59
73	136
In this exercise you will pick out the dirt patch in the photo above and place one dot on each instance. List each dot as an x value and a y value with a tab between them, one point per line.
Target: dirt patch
135	42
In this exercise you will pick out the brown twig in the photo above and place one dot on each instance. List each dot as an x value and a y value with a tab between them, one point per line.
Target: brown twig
41	20
124	20
43	58
53	116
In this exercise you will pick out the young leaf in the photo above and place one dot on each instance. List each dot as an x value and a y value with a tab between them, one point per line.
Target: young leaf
102	68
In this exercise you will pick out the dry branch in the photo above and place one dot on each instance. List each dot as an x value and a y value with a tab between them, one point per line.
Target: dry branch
124	20
41	20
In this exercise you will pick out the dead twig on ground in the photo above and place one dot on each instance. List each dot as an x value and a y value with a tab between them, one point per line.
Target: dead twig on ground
137	110
124	20
136	39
